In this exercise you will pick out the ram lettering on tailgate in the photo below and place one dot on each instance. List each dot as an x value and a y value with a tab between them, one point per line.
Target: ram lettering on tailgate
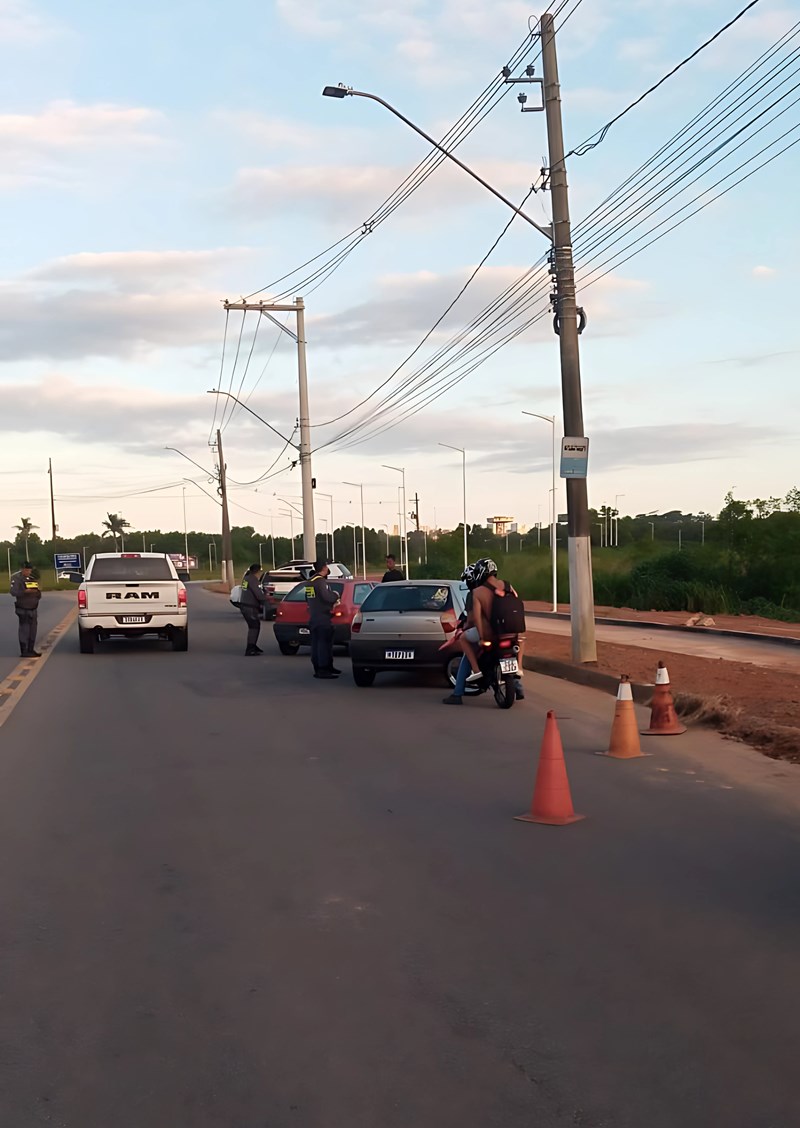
132	595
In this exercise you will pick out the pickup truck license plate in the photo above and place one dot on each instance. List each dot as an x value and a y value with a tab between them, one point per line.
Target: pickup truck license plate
134	619
400	655
509	666
304	630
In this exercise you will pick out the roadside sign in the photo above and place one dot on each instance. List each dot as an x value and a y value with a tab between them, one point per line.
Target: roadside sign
67	562
574	457
180	561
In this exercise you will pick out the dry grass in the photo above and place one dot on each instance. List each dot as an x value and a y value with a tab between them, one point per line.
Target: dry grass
780	742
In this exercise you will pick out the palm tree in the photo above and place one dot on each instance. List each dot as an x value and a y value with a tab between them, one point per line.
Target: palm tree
25	528
115	527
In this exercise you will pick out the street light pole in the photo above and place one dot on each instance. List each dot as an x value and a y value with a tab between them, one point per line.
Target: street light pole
403	526
360	486
616	518
463	454
185	530
332	552
551	419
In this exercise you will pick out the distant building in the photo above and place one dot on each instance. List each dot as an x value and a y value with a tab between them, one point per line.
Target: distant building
500	526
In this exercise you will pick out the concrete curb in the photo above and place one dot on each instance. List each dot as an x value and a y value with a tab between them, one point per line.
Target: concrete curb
646	624
585	675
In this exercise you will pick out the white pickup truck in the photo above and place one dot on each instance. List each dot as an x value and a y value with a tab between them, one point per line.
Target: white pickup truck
130	595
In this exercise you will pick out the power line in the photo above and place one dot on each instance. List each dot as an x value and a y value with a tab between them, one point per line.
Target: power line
435	325
589	144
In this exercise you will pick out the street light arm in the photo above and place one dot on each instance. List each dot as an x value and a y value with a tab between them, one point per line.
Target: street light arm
194	483
188	459
346	91
217	392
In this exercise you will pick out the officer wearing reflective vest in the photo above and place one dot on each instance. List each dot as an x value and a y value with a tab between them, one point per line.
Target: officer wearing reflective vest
321	599
26	595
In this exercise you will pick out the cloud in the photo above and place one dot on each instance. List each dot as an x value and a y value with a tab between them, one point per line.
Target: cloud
126	269
128	417
404	307
348	193
763	271
37	146
115	304
21	23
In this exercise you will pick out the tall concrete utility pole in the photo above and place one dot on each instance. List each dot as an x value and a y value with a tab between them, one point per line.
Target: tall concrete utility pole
581	589
267	309
227	546
416	511
52	499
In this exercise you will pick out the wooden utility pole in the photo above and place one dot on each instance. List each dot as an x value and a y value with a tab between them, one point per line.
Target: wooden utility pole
227	547
580	546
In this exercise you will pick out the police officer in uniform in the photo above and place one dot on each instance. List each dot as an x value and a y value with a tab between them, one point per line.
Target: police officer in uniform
26	595
321	600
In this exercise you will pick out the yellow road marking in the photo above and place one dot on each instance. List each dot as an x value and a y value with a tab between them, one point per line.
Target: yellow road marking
13	688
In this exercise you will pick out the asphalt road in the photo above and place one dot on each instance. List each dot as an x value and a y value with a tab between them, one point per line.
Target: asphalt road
236	897
774	655
52	609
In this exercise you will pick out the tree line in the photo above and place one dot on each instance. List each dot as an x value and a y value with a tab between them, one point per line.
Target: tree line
745	558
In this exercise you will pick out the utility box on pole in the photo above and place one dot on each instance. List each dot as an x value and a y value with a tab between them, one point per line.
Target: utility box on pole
566	325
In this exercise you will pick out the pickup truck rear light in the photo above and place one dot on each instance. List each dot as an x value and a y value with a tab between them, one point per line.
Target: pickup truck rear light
82	602
355	626
181	597
449	622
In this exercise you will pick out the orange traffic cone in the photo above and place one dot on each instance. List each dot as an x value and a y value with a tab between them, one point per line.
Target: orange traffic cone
663	718
552	801
624	743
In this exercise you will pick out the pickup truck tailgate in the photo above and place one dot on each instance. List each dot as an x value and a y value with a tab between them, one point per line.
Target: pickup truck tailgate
145	598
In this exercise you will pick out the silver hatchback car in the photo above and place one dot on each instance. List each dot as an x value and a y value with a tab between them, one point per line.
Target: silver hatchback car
403	626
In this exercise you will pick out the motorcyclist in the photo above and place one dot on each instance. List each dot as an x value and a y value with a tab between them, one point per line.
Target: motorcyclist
485	586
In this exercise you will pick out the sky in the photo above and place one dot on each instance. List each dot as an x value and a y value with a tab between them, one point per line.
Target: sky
156	159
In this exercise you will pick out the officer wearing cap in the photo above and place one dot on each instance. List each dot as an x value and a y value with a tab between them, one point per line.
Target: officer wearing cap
26	595
321	599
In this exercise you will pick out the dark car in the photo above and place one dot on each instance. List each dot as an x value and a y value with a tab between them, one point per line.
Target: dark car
291	619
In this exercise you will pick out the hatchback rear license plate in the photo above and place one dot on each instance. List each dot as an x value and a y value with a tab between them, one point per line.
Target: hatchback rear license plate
134	619
509	666
399	655
304	630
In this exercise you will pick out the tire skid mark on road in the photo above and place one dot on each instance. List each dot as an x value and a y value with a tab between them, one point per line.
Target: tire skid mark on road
14	687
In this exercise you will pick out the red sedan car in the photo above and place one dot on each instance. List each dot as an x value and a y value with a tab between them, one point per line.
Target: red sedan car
291	616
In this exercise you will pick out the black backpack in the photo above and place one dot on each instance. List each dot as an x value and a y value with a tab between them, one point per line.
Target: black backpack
508	613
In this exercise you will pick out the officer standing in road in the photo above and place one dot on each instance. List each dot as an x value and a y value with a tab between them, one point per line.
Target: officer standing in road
321	600
26	595
252	601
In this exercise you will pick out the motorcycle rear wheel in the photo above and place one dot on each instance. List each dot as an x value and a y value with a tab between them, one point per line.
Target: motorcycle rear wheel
505	690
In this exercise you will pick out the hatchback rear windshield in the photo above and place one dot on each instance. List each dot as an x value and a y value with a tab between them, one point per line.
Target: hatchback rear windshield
409	597
130	569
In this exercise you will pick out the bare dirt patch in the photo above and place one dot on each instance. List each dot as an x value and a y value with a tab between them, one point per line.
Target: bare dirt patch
758	706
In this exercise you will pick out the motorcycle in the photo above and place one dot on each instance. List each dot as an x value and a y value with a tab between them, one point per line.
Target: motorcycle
499	666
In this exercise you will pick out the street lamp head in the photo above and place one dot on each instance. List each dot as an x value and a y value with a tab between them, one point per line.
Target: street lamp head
340	91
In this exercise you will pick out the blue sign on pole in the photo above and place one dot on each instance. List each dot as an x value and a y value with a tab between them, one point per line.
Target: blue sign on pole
574	457
68	562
